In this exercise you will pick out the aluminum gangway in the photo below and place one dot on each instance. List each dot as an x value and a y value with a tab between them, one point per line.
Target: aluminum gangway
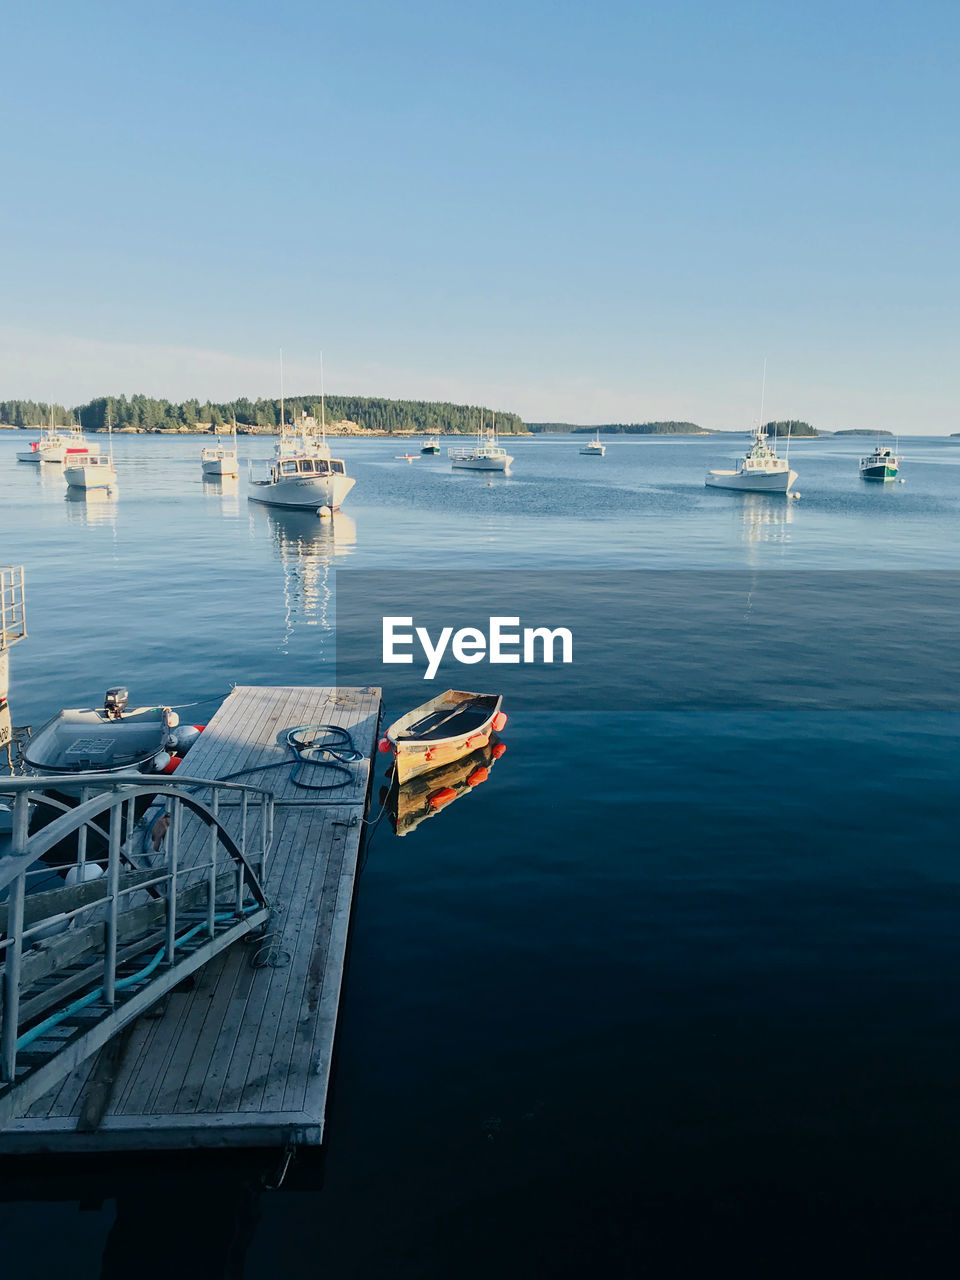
142	907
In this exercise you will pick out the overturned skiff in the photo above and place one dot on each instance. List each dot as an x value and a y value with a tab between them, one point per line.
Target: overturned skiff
441	731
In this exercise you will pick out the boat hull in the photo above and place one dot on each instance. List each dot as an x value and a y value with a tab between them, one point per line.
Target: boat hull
880	472
481	464
36	457
90	477
418	744
761	482
218	468
302	492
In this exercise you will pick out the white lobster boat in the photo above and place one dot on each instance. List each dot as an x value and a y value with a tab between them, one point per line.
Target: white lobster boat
485	455
55	446
91	471
759	470
220	460
594	449
301	475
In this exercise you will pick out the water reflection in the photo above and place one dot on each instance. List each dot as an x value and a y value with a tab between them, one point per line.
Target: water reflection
227	489
428	794
765	517
307	547
92	506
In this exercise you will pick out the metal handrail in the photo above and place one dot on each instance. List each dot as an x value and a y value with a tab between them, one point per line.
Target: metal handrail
13	618
113	792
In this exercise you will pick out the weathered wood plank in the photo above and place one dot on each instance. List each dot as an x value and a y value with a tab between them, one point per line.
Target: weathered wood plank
244	1057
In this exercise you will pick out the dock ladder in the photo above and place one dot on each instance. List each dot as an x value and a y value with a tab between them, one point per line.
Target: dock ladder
140	910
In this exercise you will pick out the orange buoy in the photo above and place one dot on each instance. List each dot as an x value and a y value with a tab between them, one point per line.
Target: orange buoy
441	797
499	750
499	720
172	765
480	774
384	745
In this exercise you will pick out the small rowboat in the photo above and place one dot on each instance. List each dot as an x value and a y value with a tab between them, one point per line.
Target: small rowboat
442	730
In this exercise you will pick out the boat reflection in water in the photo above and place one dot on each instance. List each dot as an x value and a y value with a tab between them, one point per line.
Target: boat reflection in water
307	547
764	519
92	506
428	794
227	489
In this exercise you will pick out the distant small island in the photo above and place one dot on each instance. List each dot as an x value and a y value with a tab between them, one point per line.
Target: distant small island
791	427
862	431
623	428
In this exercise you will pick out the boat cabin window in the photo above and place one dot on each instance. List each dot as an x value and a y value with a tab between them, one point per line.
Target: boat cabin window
288	468
336	466
305	466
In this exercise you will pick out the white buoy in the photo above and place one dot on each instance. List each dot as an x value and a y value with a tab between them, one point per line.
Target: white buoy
80	874
324	512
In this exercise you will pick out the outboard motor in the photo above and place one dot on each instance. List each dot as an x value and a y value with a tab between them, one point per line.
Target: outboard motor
115	702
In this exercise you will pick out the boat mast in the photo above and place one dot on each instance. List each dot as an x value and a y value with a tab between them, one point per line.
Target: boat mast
761	433
323	411
281	396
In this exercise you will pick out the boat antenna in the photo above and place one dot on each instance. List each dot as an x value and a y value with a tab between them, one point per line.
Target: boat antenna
281	393
323	410
763	392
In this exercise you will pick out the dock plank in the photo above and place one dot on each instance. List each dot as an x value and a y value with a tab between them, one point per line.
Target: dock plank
244	1056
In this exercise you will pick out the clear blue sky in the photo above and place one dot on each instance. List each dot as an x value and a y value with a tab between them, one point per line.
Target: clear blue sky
583	212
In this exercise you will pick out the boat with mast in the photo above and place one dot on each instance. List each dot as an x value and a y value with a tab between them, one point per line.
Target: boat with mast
760	470
302	473
485	455
593	448
55	445
88	470
219	460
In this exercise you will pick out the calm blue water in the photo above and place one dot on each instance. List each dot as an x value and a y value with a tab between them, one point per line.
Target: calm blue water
670	994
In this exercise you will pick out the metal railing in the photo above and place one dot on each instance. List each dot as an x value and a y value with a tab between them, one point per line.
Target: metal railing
188	885
13	618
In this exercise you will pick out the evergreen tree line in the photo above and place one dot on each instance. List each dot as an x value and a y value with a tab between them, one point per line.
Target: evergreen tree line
144	413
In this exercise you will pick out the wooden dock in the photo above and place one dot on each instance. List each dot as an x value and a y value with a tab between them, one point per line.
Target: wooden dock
242	1058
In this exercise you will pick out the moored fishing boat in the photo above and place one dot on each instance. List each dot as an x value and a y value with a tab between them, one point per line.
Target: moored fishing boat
594	449
87	470
485	455
882	464
430	446
55	446
302	473
758	471
90	471
442	730
219	460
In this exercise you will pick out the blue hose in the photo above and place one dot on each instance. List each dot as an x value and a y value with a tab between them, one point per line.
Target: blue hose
92	996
